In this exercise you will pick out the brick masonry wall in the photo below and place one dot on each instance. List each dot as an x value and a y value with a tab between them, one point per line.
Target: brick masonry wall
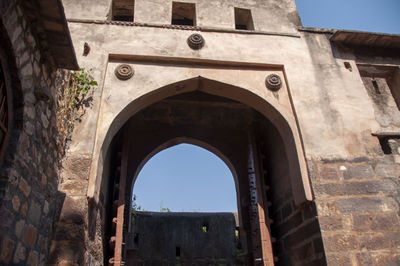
29	205
358	208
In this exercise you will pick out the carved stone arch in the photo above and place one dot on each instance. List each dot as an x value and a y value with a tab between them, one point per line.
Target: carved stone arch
283	121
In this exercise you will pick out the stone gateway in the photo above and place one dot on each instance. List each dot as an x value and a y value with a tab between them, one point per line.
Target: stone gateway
307	120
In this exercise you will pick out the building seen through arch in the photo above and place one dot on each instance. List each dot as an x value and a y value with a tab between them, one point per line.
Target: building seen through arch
306	119
184	210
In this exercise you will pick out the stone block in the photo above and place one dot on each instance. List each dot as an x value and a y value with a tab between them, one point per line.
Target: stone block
388	170
27	70
366	205
395	239
302	233
35	212
24	187
331	223
373	241
74	187
380	222
7	248
286	210
33	259
291	223
66	253
29	237
378	259
15	203
20	254
303	252
19	227
358	172
70	232
76	167
336	260
329	173
327	208
385	186
74	210
340	243
46	207
24	209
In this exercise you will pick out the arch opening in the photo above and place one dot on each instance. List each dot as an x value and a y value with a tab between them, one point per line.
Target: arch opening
255	147
191	166
186	194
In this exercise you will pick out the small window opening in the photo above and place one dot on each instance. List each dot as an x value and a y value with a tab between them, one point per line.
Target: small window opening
136	239
123	10
385	145
178	252
205	228
243	19
348	66
376	86
183	14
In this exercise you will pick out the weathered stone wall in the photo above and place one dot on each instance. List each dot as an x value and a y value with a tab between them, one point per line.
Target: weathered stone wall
351	177
357	201
185	238
29	171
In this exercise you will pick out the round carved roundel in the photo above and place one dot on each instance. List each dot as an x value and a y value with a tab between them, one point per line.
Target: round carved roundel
273	82
124	72
195	41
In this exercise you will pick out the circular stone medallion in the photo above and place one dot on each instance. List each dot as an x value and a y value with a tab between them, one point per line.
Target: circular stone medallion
273	82
195	41
124	72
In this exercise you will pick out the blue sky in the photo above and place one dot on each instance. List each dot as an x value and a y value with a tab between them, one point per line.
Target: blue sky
365	15
189	178
185	178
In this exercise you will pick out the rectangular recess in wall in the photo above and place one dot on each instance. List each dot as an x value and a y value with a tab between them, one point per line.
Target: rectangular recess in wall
243	19
183	14
123	10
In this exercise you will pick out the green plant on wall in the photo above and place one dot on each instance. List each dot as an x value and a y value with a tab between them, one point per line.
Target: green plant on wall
83	82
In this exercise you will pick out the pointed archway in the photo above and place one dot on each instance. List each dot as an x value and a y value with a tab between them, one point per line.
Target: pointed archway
261	143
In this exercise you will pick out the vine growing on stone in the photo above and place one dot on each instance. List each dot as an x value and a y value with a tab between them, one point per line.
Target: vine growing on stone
83	82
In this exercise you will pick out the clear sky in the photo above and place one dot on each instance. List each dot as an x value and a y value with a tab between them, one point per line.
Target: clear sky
186	178
189	178
364	15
